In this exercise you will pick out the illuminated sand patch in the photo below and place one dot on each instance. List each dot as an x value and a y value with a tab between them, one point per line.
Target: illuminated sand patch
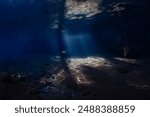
133	61
76	64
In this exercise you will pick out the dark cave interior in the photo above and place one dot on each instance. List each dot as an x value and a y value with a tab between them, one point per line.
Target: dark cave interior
74	49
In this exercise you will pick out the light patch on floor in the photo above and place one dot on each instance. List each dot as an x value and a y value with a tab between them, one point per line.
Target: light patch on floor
133	61
75	66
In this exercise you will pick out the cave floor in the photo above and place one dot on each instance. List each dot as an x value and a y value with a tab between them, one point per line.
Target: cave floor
82	78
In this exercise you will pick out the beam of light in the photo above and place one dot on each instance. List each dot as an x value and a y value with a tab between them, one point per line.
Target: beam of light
78	44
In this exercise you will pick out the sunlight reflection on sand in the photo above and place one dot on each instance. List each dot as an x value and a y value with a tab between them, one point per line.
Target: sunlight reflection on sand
75	65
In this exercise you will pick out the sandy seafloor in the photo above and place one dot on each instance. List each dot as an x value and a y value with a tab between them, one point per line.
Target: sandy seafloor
86	78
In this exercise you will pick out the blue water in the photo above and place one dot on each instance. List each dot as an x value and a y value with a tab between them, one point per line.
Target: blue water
28	32
25	29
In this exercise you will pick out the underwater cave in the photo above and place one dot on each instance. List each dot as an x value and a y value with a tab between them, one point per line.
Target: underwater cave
74	49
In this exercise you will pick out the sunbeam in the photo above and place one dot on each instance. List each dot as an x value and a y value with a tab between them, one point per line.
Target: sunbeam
79	44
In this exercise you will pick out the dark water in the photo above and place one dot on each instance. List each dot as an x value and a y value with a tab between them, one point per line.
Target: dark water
28	33
31	37
28	29
25	29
